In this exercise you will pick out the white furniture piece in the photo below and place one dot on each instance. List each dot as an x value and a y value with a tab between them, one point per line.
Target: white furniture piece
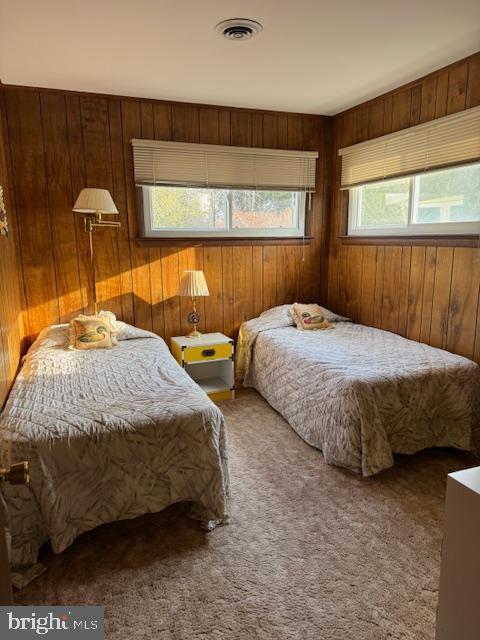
209	360
458	613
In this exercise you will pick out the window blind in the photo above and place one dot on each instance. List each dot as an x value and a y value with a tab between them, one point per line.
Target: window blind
445	142
208	165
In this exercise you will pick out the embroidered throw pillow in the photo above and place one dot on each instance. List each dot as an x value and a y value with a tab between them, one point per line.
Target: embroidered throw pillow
91	332
309	317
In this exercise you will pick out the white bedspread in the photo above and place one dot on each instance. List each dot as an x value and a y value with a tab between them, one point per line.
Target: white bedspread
110	434
361	394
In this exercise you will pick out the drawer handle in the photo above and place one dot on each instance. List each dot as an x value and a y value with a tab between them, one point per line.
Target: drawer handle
207	353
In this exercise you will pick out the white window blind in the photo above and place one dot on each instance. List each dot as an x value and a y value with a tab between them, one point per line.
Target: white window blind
445	142
208	165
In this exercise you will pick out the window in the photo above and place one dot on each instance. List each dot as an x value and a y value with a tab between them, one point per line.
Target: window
173	211
205	190
437	202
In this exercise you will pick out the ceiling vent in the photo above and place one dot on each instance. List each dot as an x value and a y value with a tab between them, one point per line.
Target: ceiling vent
238	28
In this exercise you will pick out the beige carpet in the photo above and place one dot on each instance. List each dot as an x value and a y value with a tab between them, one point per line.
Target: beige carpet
312	552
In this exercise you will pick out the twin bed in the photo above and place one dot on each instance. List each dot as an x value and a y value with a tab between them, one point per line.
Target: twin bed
116	433
110	434
360	394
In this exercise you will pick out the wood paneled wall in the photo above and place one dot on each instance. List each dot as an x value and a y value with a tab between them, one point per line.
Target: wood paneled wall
427	293
61	142
10	277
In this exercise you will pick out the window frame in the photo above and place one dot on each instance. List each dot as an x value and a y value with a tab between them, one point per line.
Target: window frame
297	232
411	229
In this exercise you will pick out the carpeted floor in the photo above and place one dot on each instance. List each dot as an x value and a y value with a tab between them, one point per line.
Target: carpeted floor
312	552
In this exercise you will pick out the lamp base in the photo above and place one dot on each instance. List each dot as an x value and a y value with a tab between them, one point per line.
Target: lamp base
194	334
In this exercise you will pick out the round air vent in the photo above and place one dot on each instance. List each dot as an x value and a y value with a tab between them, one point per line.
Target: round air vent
238	28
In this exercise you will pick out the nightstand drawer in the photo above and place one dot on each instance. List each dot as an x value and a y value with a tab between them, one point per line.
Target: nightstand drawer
207	352
218	396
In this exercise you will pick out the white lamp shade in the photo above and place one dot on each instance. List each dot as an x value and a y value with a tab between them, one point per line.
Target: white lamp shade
193	284
95	201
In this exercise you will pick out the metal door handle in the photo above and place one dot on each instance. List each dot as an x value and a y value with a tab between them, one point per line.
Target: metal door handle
17	474
208	353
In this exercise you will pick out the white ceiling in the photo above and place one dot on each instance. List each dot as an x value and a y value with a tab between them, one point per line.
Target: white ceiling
314	56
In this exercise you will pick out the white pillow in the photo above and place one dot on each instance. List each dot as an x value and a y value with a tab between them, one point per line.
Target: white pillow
281	314
56	335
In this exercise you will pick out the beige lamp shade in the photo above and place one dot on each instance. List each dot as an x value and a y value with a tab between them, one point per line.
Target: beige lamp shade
95	201
193	284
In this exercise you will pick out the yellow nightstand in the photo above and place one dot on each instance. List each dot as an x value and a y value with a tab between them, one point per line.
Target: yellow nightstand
209	361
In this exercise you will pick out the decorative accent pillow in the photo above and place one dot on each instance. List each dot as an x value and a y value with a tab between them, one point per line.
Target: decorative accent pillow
114	325
91	332
309	317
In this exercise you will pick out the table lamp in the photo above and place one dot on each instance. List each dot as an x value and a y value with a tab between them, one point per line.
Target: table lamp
193	285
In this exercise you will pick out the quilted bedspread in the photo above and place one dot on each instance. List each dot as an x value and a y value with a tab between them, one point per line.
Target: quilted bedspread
362	394
110	434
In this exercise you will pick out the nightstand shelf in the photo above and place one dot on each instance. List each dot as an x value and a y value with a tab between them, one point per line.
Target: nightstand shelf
209	361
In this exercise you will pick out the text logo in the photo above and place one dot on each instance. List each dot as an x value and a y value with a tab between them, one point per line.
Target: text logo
25	623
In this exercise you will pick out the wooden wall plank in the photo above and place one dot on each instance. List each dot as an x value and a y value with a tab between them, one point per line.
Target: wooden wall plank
391	288
241	128
353	275
378	295
228	291
415	293
257	275
441	94
270	131
403	290
367	297
416	105
282	131
164	262
401	109
457	88
11	320
212	267
120	197
31	196
441	297
473	83
78	180
375	119
150	126
427	302
281	287
61	198
429	93
463	302
209	131
314	255
242	286
270	277
142	296
162	121
98	172
170	283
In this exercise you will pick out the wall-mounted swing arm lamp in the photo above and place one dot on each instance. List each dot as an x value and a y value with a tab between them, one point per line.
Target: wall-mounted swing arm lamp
93	204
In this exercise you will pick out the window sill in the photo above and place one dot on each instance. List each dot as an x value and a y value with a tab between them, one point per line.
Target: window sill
423	241
219	242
